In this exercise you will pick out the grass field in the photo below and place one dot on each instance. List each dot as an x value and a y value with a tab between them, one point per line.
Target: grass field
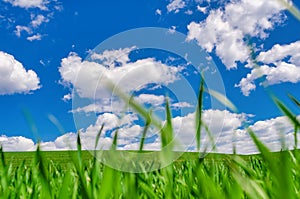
77	174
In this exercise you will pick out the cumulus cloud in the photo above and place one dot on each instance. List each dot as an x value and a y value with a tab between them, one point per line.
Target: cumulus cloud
218	122
41	4
16	143
112	58
158	12
67	97
179	105
270	132
90	78
38	20
20	29
154	100
279	64
202	9
279	52
36	37
172	30
175	6
14	78
226	127
225	30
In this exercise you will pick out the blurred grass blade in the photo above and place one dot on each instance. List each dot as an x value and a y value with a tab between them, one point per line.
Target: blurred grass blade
56	122
114	145
142	111
167	130
296	137
98	136
286	111
210	136
64	191
199	113
223	99
291	8
260	146
2	157
144	135
294	100
42	173
31	123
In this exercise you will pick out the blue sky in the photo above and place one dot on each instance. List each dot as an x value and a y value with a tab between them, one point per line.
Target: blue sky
43	51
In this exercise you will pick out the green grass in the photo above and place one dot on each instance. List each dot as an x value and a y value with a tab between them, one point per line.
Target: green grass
214	176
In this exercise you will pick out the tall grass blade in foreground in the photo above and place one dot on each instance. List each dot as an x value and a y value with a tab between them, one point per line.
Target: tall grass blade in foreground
286	111
199	114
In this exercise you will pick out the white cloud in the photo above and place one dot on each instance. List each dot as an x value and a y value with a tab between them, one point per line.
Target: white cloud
38	20
20	29
16	143
172	30
41	4
179	105
225	126
175	6
36	37
158	12
154	100
225	30
202	9
281	64
111	58
270	132
280	52
90	78
67	97
14	78
102	106
189	12
219	122
30	29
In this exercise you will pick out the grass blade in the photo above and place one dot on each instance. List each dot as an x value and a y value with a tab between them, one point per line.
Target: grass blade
286	111
223	99
199	114
167	130
144	135
294	100
98	136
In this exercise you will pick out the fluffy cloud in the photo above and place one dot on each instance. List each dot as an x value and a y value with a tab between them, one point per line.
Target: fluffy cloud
16	143
219	123
280	64
90	78
226	127
41	4
20	29
111	58
38	20
179	105
270	132
36	37
280	52
175	6
154	100
224	30
14	78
